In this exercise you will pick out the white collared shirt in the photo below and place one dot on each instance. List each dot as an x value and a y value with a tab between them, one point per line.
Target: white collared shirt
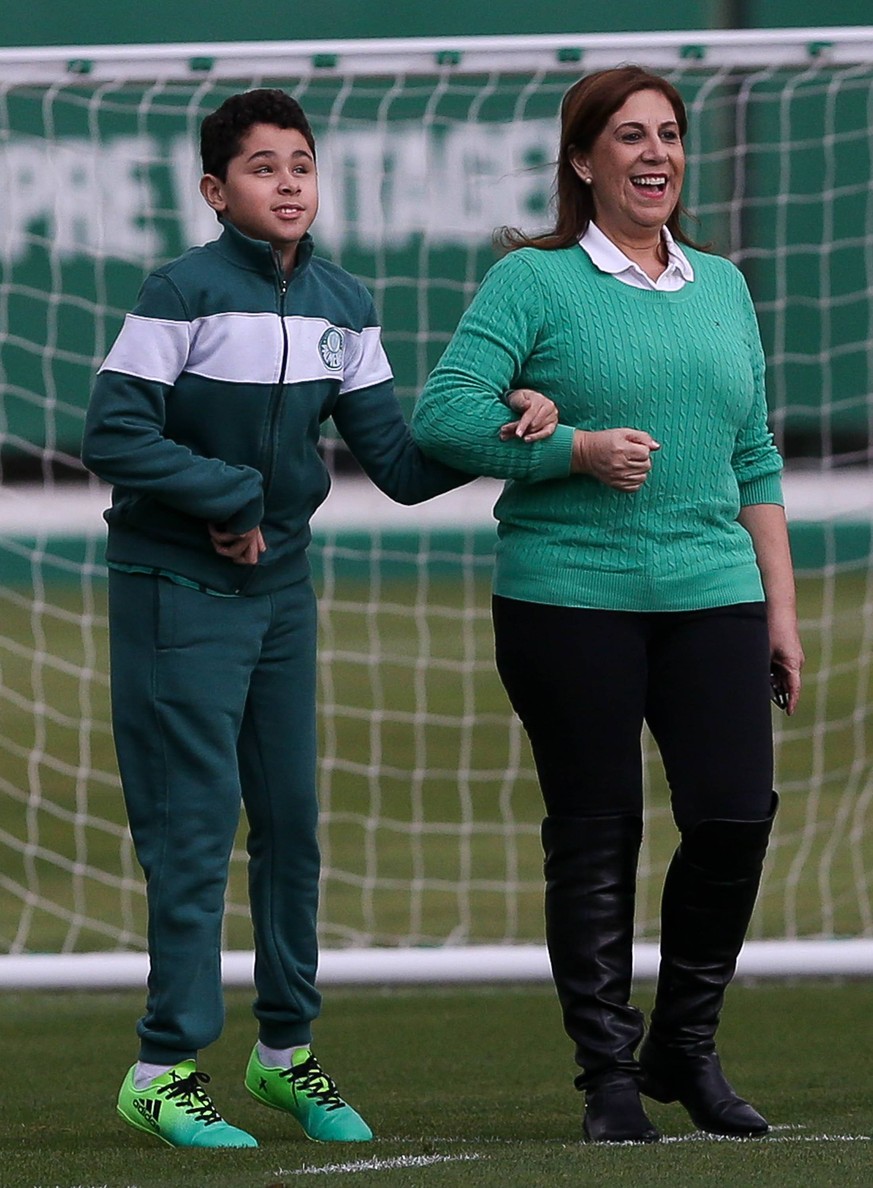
609	258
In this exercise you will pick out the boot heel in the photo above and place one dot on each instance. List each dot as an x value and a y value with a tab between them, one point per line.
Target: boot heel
615	1114
652	1086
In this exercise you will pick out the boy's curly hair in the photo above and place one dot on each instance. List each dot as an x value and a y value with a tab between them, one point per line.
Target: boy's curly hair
223	130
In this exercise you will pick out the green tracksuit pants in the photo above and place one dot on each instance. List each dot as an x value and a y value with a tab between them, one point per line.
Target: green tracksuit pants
213	703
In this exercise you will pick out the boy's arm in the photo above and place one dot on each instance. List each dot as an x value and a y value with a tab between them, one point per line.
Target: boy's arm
371	422
124	442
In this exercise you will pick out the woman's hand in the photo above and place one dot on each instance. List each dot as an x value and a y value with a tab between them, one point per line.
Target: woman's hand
765	523
242	548
786	658
620	458
538	419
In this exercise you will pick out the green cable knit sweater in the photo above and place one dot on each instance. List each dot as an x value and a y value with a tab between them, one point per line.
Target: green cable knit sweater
685	366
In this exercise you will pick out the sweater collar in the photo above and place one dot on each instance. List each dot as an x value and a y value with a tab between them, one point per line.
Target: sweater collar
257	254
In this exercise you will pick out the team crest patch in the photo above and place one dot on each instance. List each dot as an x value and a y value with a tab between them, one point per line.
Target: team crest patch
330	347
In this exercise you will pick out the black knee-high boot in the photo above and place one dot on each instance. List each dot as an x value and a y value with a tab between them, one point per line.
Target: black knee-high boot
709	894
590	868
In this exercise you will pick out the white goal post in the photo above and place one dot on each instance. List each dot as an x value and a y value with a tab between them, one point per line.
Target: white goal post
430	811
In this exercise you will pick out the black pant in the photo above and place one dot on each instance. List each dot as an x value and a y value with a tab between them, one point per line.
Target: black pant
584	681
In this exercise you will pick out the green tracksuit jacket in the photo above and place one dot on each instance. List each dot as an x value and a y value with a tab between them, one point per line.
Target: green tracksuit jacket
208	408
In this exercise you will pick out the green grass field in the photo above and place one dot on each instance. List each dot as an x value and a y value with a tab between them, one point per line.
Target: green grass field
422	831
463	1086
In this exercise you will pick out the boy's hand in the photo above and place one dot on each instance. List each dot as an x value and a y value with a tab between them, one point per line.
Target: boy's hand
242	549
538	416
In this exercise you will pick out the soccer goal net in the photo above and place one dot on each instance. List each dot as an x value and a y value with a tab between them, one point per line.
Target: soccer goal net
430	809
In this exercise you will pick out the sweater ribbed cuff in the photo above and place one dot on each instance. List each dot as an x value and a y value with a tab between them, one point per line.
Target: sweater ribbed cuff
554	456
766	489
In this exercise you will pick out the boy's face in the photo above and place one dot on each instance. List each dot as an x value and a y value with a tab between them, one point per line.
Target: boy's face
271	189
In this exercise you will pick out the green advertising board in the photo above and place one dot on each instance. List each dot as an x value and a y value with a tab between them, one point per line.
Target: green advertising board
98	184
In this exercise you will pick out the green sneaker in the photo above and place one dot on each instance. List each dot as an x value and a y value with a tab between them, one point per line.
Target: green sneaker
175	1109
307	1093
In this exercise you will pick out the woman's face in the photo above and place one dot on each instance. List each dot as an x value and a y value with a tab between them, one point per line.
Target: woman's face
635	166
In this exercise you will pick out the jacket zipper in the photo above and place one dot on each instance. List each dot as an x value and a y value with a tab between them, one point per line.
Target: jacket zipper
276	401
277	395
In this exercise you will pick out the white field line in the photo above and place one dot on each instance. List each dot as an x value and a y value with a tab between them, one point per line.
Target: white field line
779	1134
355	504
786	1133
398	1162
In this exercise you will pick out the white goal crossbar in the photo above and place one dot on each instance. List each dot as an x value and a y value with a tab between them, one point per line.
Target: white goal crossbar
451	964
774	48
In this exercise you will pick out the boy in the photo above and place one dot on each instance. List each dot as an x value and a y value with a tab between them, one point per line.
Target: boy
205	419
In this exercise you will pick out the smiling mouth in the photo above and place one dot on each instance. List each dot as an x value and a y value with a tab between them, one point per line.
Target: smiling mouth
288	210
652	184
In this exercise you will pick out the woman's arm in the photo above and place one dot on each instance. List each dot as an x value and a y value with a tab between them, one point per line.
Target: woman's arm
460	415
765	523
461	412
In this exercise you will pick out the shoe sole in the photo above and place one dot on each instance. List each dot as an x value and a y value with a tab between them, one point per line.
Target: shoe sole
640	1141
724	1131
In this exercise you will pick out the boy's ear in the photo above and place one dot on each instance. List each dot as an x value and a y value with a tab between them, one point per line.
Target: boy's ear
212	189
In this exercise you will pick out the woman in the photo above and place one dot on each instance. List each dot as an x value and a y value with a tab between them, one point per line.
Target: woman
651	584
